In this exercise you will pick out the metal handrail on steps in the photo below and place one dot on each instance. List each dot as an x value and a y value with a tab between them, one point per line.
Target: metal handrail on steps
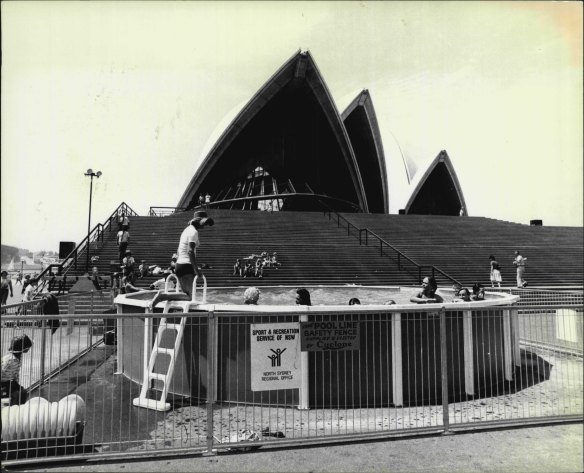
165	211
402	259
96	235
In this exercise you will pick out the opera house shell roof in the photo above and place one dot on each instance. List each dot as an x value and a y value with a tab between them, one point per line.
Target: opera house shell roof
289	148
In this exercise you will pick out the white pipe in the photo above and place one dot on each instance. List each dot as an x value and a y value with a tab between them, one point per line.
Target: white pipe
167	283
194	293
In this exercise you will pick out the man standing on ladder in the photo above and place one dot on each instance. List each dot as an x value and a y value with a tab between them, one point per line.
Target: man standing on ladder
186	263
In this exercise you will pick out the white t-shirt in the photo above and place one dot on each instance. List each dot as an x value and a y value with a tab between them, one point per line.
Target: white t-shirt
28	293
123	236
189	234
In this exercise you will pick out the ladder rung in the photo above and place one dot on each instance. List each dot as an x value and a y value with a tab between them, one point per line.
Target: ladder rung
169	326
151	404
159	376
167	351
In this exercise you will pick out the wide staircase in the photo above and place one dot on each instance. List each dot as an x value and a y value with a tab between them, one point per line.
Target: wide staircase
310	248
314	249
461	246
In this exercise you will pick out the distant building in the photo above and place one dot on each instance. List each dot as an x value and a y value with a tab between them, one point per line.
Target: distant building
289	148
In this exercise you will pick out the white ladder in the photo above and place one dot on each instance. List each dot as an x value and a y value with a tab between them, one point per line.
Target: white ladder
149	375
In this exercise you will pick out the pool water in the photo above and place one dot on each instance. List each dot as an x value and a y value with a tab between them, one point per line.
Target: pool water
318	295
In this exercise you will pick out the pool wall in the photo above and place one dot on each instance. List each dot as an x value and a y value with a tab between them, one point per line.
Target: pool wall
398	362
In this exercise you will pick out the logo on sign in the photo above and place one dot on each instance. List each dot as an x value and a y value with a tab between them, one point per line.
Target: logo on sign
276	357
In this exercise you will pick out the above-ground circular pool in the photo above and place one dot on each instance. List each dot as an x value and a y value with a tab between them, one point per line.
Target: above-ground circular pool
397	360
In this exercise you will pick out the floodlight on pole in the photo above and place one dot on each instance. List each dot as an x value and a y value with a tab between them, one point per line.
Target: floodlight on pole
91	174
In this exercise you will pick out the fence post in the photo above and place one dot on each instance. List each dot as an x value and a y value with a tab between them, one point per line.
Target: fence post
43	350
303	391
444	372
514	314
381	247
360	230
507	345
348	228
119	341
396	360
211	377
468	350
399	261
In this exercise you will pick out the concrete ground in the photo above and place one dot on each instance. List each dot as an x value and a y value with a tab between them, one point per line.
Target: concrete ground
552	448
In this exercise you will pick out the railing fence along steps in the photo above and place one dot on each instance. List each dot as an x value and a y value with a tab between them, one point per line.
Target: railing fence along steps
461	246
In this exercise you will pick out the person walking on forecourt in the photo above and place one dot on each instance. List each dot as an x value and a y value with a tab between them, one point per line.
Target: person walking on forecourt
495	272
5	287
519	262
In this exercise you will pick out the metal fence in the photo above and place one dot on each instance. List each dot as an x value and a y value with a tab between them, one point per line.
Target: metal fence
543	296
245	380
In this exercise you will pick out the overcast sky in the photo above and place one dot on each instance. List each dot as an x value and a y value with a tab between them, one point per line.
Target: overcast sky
135	90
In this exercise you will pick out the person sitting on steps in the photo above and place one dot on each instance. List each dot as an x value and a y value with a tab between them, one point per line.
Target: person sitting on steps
237	268
128	263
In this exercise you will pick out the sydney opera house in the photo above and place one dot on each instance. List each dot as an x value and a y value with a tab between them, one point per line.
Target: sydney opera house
290	148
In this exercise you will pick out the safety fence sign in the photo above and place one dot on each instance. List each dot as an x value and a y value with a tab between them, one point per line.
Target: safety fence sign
275	356
332	335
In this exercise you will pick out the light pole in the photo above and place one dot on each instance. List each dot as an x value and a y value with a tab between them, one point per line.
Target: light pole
91	174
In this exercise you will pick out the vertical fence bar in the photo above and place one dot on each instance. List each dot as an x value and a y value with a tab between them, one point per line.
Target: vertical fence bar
444	371
120	342
507	345
396	360
303	392
468	352
211	377
43	349
515	330
90	327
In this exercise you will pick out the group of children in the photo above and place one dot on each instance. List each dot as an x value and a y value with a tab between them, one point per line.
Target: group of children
253	265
